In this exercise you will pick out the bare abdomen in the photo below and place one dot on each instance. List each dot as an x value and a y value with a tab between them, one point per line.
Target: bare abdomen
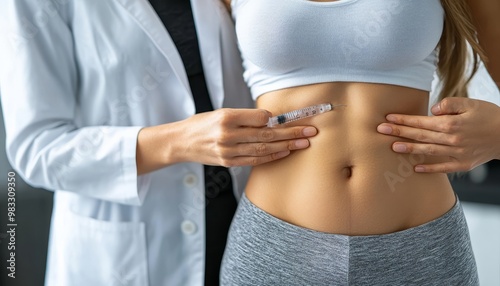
349	181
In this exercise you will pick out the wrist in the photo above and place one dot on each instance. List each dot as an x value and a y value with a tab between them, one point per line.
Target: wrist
170	143
157	147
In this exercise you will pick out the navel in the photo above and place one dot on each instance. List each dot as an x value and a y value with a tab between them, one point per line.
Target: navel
347	171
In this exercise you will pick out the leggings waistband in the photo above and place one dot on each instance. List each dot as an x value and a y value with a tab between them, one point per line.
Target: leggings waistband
264	250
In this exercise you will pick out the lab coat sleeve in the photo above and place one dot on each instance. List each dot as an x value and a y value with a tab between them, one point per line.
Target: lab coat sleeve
38	87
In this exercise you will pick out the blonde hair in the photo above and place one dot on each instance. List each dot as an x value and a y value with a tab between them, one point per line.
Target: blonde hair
454	57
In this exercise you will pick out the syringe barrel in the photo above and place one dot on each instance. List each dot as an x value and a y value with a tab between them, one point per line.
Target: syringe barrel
299	114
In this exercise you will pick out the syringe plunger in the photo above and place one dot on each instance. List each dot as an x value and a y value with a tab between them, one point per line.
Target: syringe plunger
299	114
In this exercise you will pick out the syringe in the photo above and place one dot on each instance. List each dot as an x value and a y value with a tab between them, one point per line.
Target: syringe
300	114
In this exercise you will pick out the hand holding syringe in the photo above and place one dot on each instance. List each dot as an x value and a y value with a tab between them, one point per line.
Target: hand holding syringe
300	114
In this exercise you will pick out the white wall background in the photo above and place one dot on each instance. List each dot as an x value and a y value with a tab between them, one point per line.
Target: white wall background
484	227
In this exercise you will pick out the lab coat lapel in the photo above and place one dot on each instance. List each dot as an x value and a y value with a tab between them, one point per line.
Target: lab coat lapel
148	20
208	20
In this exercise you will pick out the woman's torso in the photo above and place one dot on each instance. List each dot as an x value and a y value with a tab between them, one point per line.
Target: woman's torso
349	180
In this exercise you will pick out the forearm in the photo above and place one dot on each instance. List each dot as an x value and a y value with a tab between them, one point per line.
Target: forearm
97	161
158	147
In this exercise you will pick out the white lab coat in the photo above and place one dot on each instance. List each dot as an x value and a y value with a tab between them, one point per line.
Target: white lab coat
78	81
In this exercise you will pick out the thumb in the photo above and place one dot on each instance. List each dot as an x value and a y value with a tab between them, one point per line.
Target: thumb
450	105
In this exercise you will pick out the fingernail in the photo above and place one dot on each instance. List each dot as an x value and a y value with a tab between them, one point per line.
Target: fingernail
309	131
399	147
436	109
391	118
386	129
419	169
302	143
282	154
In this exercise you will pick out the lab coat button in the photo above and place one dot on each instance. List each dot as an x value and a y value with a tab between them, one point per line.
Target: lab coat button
188	227
190	180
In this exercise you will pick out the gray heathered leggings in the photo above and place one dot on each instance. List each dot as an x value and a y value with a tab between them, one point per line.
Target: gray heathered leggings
264	250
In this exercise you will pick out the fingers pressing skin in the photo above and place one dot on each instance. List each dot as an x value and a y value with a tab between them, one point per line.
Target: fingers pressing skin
253	135
264	149
417	134
447	167
254	161
463	134
263	145
235	137
425	149
446	123
442	141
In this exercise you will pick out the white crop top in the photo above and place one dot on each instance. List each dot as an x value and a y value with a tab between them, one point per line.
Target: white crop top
287	43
